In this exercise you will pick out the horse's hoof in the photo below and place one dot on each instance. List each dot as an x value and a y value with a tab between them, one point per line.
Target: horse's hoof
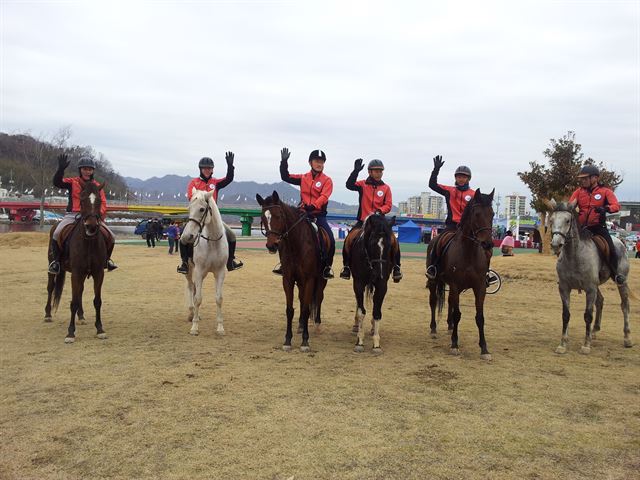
286	348
486	356
69	340
433	335
454	351
102	336
220	331
585	350
561	349
355	329
358	348
195	333
305	349
376	351
628	343
48	319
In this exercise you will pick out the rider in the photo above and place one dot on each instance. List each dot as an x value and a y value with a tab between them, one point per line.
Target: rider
86	169
207	183
315	190
456	196
594	201
374	198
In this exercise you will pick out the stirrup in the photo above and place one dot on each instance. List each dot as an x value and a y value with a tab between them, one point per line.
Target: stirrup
491	278
54	267
277	270
111	266
327	273
183	269
397	274
432	272
345	273
234	265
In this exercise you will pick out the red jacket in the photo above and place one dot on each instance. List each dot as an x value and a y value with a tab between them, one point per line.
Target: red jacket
213	184
589	199
373	195
315	188
74	185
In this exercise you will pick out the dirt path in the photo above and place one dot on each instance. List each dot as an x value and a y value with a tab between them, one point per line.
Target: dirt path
154	402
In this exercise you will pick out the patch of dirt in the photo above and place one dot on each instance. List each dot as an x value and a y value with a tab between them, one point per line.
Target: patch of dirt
24	239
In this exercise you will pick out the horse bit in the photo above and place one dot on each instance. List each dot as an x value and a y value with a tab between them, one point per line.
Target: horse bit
201	226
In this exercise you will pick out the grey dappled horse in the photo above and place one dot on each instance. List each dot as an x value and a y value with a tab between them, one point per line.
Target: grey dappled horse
581	267
205	231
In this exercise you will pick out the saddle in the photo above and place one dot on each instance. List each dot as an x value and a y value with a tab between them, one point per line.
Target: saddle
353	235
65	234
602	246
322	240
442	242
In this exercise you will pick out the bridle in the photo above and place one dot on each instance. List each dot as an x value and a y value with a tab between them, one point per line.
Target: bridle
475	232
565	236
200	224
266	231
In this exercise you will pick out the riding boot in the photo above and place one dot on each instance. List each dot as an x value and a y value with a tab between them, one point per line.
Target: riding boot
346	271
184	255
327	273
277	269
54	266
397	273
232	263
110	265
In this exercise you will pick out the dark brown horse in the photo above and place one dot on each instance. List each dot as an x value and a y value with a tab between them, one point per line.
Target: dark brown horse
87	257
289	232
371	261
464	266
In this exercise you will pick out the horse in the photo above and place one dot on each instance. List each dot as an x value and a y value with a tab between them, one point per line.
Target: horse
205	231
289	232
463	266
580	266
371	261
87	257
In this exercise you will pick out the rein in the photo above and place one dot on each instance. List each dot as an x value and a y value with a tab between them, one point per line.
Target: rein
201	226
474	234
281	236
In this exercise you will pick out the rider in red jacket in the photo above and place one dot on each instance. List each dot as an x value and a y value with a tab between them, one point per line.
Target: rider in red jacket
594	201
456	196
315	190
207	183
374	197
86	169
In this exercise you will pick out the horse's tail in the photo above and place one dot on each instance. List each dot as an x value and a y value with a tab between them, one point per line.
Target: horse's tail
58	286
440	296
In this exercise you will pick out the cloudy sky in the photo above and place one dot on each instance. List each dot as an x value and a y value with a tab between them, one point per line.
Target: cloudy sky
155	85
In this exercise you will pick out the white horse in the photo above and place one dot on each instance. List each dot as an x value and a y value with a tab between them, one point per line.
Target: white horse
205	231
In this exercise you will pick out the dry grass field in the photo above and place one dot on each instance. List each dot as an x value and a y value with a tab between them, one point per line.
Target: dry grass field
153	402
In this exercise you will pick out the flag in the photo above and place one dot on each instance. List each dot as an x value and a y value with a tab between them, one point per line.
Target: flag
222	197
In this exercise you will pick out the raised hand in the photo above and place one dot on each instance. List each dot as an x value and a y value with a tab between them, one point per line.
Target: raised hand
63	161
229	158
438	162
358	165
284	154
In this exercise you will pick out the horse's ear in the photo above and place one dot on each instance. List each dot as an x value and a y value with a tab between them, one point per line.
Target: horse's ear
550	204
208	195
392	221
276	197
492	192
478	195
194	190
259	199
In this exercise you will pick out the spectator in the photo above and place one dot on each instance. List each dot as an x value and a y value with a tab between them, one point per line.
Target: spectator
638	248
172	235
151	233
507	244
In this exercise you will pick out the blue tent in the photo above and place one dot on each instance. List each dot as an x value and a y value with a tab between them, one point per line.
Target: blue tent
409	232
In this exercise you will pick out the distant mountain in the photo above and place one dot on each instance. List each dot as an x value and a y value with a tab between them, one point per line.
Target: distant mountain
170	189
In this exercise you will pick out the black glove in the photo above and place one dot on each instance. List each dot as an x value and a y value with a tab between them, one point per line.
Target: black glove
358	165
438	162
229	158
284	155
601	210
63	161
309	208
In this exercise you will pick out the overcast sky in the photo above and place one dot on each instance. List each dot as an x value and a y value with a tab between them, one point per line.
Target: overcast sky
157	85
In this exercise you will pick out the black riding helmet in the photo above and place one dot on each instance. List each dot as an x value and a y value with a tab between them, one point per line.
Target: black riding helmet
589	170
317	154
463	170
86	161
375	164
205	162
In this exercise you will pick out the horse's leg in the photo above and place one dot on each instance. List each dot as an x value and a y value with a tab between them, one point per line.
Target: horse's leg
480	294
624	304
97	302
588	318
288	285
219	283
77	286
450	314
358	288
454	308
599	305
306	297
81	319
565	296
433	303
197	300
51	282
190	292
378	299
319	300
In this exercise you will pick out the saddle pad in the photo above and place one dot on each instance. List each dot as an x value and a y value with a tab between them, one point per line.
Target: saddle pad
602	245
64	234
443	240
353	235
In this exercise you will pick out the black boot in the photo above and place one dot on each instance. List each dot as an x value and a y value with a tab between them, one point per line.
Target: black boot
54	266
345	273
397	273
327	273
232	263
111	266
184	255
277	269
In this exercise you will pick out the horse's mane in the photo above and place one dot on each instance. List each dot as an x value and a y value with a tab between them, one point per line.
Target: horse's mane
377	222
485	200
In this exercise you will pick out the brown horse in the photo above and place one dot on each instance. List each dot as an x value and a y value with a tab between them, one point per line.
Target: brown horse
463	266
289	232
87	257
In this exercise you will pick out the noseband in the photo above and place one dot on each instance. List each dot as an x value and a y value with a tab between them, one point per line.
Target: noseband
200	224
565	236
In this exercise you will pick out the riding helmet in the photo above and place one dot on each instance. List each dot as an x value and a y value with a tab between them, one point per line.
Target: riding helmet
205	162
463	170
589	170
375	164
317	155
86	161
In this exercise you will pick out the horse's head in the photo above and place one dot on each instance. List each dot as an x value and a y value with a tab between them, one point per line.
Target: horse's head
377	235
90	204
200	207
562	218
273	221
478	217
